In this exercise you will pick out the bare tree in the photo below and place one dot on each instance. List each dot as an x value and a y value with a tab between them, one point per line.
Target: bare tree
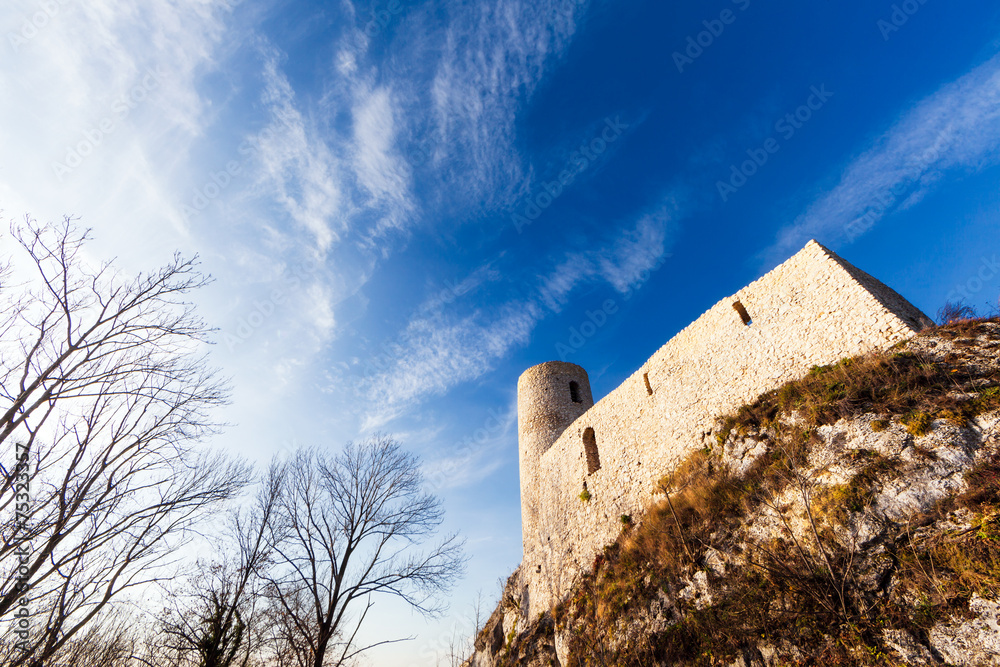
216	620
462	642
103	387
115	640
346	530
291	626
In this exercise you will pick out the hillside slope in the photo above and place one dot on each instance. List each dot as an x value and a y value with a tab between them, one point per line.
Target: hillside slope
849	518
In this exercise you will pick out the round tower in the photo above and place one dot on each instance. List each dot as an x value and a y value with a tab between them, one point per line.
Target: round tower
550	397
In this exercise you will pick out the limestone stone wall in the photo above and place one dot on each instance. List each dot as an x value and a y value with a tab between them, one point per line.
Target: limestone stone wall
812	310
550	397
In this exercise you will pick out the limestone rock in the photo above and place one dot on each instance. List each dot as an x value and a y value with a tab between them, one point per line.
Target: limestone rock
974	642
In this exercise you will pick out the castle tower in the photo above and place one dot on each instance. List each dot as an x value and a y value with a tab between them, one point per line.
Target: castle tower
550	397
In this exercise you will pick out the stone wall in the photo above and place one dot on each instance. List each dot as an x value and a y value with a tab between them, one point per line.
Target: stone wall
812	310
550	397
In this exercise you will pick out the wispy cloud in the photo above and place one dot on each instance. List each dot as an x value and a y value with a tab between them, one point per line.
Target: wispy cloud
956	128
125	95
623	263
298	168
433	355
464	470
343	184
351	185
348	187
381	171
494	56
437	351
638	248
101	108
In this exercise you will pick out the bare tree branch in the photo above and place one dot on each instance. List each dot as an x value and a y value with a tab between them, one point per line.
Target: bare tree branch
345	530
102	383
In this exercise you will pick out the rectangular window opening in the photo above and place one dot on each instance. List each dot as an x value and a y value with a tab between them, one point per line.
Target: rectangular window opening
744	315
590	448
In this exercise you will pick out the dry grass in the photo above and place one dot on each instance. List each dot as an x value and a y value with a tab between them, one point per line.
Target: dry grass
785	590
953	313
944	570
919	389
984	486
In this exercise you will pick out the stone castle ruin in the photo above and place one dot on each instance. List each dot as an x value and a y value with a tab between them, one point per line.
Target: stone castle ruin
585	465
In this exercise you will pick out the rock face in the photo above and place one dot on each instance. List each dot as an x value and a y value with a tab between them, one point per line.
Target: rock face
848	518
970	642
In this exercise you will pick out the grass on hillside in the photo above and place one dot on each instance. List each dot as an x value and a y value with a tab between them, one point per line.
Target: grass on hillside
811	594
895	383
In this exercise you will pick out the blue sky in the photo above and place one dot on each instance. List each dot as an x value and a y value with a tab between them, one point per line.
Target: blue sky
406	204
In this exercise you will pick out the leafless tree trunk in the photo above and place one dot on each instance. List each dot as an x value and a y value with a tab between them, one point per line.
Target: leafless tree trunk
346	530
101	383
291	628
216	621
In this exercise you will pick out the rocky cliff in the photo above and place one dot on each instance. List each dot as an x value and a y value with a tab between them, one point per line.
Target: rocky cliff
848	518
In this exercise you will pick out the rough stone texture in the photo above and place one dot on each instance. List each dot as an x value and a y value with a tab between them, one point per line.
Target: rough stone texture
965	640
906	478
909	649
812	310
545	408
509	638
973	642
503	624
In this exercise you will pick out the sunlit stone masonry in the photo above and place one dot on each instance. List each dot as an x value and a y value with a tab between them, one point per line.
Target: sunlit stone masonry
584	465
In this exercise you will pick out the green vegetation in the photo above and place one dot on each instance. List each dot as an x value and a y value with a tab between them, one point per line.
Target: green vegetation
919	423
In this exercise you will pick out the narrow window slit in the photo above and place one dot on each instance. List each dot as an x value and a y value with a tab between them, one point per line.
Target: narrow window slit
590	448
649	387
574	392
744	315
